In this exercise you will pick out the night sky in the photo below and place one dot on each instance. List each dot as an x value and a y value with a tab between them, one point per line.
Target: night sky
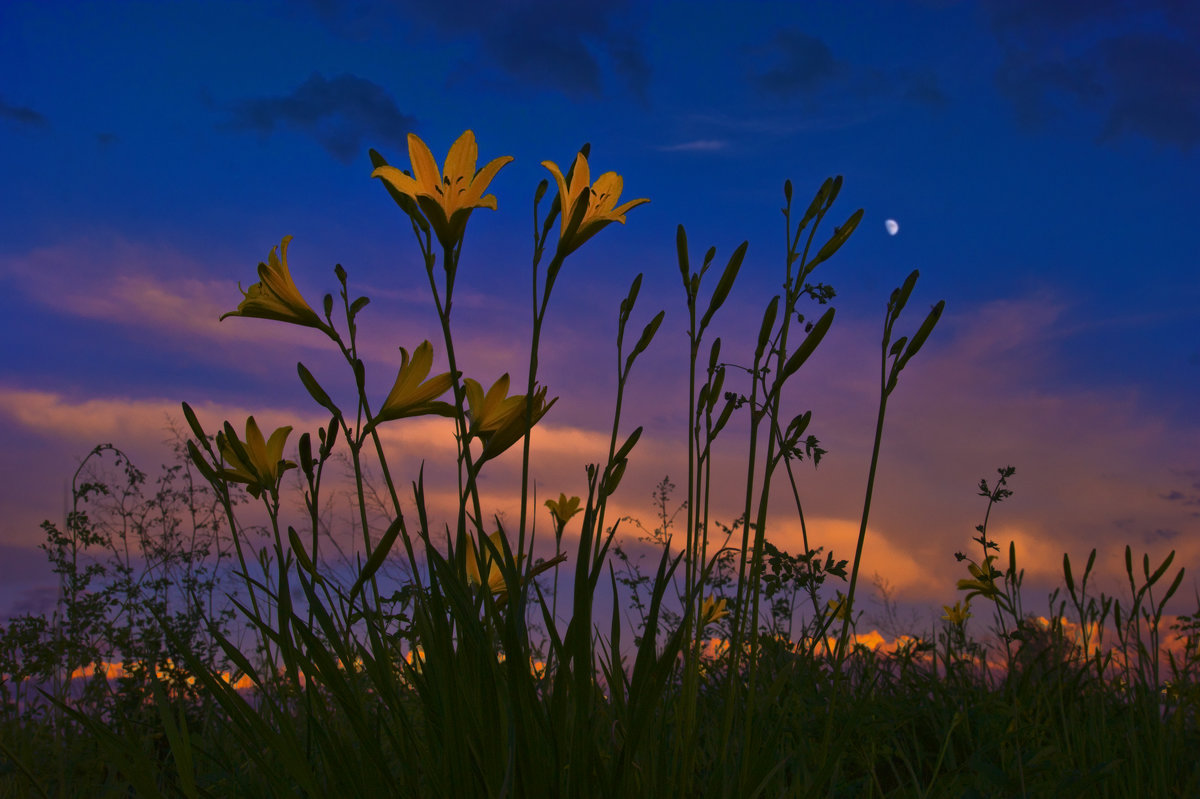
1040	159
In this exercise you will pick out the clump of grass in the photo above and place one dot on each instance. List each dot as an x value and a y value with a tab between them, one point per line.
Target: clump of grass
471	676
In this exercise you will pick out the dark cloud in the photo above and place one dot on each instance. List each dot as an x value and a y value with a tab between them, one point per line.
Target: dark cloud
632	65
1155	89
549	54
550	43
1036	88
1160	534
922	88
1024	16
1186	498
341	113
795	64
544	43
1134	65
804	63
23	116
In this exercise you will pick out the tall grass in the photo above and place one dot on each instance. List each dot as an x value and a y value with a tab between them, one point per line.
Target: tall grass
741	677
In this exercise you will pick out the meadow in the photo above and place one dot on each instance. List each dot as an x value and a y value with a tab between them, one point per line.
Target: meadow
209	641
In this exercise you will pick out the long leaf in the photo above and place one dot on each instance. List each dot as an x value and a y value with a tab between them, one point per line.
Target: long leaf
378	556
316	392
721	292
807	347
839	237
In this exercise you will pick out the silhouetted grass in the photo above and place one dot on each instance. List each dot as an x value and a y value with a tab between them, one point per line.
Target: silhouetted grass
269	669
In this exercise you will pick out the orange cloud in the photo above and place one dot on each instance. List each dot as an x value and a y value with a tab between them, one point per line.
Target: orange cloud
979	395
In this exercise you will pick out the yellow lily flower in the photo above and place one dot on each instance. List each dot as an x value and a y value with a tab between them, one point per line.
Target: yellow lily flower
263	463
492	575
958	614
275	295
491	411
563	509
412	394
983	584
599	200
712	610
446	197
495	577
838	606
498	419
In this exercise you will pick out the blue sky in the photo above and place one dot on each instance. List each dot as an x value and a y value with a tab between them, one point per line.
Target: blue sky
1041	159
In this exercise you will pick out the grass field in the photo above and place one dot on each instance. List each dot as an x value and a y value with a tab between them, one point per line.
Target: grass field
264	666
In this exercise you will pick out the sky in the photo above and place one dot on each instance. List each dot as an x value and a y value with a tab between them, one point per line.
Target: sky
1041	161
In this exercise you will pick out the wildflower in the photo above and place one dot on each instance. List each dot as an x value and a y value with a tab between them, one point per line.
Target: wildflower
415	658
492	575
275	295
984	583
491	411
259	463
498	419
958	614
446	197
838	606
712	610
586	210
412	394
563	509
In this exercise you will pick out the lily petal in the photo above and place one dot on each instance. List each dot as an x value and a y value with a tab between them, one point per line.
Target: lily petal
600	200
445	197
425	170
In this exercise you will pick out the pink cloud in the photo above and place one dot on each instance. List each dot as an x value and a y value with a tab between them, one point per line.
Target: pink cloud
1093	465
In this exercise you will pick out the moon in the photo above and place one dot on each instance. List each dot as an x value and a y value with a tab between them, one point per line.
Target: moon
893	227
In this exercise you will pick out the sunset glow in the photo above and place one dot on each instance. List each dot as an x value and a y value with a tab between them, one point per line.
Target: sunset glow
408	501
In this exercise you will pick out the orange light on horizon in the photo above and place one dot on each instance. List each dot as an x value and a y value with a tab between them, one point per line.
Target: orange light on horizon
115	671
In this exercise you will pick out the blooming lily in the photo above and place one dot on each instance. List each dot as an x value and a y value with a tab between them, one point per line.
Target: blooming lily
958	614
259	463
984	582
838	606
498	419
412	394
587	209
275	295
563	509
446	197
493	575
712	610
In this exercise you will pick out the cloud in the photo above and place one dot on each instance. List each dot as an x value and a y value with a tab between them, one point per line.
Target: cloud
23	115
1024	15
167	298
562	46
921	87
1149	95
1115	59
127	283
794	64
1096	465
803	64
339	112
65	426
699	145
631	64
